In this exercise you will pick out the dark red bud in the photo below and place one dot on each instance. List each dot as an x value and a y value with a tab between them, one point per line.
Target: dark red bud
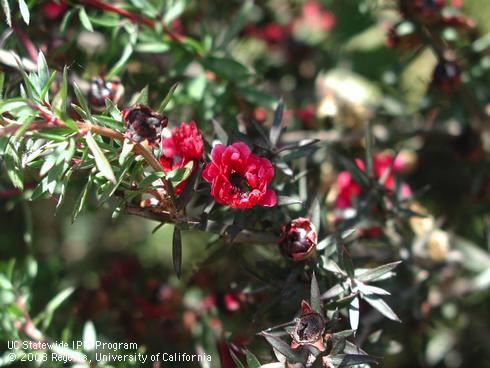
143	123
298	239
100	90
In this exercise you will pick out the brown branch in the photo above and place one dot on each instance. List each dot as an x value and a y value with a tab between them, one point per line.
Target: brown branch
230	233
52	122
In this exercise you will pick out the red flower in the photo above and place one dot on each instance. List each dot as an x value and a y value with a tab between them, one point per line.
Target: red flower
349	189
184	145
54	9
239	178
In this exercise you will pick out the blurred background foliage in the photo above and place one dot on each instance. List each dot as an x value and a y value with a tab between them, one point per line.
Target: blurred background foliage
330	62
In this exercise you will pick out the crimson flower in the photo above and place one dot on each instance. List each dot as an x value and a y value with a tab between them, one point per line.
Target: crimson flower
184	145
239	178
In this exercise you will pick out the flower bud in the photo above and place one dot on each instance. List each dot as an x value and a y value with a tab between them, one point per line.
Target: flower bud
100	90
298	239
143	123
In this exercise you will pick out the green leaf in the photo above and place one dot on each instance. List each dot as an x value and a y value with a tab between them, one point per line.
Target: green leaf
276	128
42	69
174	10
252	361
60	100
82	101
179	175
13	166
354	313
177	251
374	274
85	20
256	97
116	69
81	200
152	47
315	302
24	11
6	11
381	306
237	361
238	22
54	304
281	346
334	291
89	336
2	81
349	360
226	68
167	98
100	160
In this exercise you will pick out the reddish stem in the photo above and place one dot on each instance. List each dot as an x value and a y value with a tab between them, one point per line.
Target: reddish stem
27	43
98	4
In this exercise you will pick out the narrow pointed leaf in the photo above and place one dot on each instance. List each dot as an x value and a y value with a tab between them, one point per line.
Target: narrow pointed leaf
252	361
177	251
84	19
315	301
167	98
354	313
276	128
6	11
375	273
100	160
381	306
24	11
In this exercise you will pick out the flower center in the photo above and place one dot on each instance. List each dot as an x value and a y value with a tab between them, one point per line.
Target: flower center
239	183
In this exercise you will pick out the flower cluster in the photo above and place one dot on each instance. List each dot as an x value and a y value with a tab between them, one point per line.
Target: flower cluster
385	167
184	145
239	178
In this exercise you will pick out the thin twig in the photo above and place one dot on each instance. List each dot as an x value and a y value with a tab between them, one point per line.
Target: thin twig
232	234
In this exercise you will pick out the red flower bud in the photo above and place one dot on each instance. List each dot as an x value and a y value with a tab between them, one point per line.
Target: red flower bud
143	123
298	239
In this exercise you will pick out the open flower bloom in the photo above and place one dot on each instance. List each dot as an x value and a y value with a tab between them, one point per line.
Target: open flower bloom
239	178
184	145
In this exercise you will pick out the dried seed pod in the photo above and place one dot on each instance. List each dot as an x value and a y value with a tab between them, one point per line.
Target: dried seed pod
446	76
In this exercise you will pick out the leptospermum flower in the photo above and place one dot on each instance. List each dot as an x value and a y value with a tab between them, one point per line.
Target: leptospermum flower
239	178
184	145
